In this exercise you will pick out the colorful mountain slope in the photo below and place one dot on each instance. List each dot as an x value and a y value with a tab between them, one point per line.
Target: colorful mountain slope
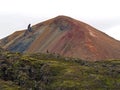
65	36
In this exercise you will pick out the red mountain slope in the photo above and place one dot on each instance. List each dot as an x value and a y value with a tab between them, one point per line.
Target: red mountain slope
65	36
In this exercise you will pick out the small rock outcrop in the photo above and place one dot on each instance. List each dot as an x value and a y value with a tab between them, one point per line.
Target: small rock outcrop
29	29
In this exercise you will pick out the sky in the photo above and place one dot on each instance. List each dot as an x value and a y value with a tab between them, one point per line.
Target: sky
102	14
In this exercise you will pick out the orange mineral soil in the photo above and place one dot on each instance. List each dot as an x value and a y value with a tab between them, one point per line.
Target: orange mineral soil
65	36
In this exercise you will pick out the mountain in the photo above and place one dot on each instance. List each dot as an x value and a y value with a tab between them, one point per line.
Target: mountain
65	36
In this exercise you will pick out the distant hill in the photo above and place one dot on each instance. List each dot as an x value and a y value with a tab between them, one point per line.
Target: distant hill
65	36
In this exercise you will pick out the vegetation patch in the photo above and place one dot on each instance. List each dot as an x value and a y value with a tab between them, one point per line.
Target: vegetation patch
53	72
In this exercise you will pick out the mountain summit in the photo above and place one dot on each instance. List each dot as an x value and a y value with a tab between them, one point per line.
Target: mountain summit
65	36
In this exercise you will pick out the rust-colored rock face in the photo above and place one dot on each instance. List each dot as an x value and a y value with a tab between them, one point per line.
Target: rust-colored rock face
65	36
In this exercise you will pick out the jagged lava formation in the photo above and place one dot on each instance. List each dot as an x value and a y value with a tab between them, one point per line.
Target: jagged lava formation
65	36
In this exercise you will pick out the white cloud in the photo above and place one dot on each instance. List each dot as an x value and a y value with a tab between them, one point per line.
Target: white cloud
84	8
114	32
102	14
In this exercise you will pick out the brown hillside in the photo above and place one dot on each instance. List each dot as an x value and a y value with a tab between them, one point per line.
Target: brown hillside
65	36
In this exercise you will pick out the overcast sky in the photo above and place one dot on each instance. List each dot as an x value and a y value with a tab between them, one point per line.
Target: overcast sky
102	14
